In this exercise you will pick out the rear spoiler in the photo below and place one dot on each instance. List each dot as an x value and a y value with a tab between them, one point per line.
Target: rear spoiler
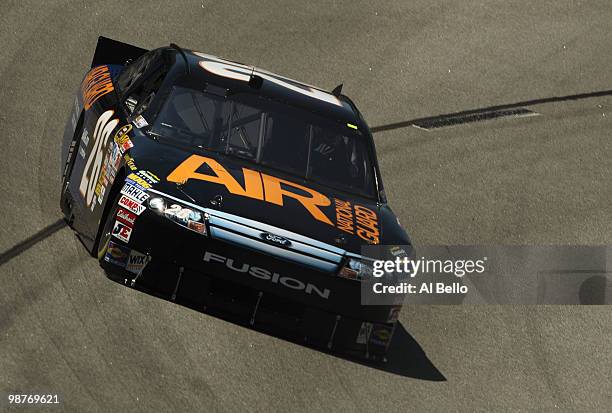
109	51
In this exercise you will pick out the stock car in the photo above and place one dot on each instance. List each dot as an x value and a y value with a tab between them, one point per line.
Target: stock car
230	190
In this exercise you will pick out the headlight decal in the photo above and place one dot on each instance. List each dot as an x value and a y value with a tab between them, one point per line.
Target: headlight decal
357	269
189	218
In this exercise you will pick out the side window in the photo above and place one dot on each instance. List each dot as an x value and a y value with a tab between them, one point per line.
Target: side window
134	71
194	117
143	94
140	82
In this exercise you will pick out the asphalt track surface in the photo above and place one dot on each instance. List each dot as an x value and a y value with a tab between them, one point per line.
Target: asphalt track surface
66	329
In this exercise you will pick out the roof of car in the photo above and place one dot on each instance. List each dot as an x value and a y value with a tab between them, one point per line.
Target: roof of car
235	77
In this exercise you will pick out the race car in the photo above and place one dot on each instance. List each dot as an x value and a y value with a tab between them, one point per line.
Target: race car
231	190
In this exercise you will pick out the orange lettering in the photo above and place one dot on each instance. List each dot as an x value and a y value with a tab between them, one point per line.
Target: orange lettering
344	216
187	170
253	188
367	224
368	236
365	212
275	193
96	84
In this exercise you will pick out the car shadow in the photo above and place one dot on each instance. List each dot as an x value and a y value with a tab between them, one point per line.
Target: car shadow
405	358
533	102
29	242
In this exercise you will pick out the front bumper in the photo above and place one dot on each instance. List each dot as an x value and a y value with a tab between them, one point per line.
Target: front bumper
254	289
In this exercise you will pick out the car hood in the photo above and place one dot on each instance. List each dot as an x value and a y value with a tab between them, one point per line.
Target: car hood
272	198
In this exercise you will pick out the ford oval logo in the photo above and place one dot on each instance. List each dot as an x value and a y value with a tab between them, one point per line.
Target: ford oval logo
275	239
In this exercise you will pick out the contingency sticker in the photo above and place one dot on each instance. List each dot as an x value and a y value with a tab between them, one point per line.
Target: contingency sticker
134	192
131	204
122	138
136	262
364	333
122	231
394	313
381	335
117	254
126	216
134	177
140	122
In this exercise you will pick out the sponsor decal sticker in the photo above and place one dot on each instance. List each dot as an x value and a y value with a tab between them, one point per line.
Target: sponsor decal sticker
131	204
398	251
131	103
134	192
381	335
394	314
96	84
112	163
122	231
364	333
196	226
137	185
81	152
122	138
125	146
85	137
148	176
140	122
126	216
129	161
101	196
75	114
117	254
100	184
70	151
136	262
139	180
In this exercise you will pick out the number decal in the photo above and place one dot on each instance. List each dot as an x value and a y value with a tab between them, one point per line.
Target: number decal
173	210
91	172
241	72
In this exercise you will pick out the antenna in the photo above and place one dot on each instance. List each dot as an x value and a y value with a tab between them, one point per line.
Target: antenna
182	52
255	81
337	90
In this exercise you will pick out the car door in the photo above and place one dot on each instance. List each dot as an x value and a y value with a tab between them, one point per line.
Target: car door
111	96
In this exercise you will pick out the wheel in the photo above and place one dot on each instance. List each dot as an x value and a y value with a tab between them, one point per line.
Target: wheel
107	228
70	151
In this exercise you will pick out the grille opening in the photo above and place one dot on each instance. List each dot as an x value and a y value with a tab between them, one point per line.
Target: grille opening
231	298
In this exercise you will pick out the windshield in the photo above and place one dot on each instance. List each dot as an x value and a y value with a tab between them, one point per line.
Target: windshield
270	134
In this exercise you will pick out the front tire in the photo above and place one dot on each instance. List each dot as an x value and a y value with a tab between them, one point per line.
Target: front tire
106	232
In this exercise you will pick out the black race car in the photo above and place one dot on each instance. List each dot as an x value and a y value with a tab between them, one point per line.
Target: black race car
231	190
